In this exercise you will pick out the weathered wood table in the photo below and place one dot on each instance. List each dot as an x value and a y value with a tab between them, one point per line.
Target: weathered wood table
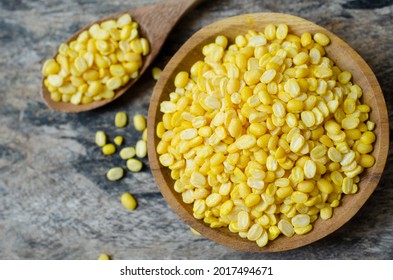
55	201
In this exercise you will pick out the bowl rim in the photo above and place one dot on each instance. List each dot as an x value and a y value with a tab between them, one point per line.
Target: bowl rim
223	236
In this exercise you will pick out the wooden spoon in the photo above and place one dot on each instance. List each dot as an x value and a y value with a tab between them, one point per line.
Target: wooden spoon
343	55
155	23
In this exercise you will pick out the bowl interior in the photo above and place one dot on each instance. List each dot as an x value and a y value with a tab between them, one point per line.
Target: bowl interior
343	56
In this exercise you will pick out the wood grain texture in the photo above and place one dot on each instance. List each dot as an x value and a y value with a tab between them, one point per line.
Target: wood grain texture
155	21
55	202
344	57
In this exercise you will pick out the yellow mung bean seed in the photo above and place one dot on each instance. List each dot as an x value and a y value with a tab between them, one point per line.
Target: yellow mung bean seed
118	140
139	122
347	185
368	137
364	148
127	153
121	119
321	39
295	106
350	123
108	149
366	161
255	232
308	118
144	135
141	149
324	186
156	72
243	220
286	228
134	165
348	158
299	197
284	192
303	230
273	232
226	207
370	125
306	186
300	58
318	152
335	203
297	143
115	173
213	199
332	127
306	39
189	134
128	201
326	212
181	79
300	220
310	169
268	76
344	77
246	141
195	232
334	155
252	199
281	31
50	67
103	257
100	138
343	147
263	239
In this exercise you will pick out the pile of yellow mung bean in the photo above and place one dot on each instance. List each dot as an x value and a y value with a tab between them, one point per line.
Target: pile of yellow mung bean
101	60
126	153
265	135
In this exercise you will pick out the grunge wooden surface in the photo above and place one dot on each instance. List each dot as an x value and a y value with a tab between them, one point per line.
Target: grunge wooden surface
55	201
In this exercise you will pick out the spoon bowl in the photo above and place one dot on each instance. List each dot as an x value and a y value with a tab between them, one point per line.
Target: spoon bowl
155	23
343	56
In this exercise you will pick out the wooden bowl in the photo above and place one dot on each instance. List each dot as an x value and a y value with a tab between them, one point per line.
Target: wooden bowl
343	55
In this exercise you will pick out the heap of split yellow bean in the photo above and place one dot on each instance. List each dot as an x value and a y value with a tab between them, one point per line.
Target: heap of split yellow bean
98	62
265	135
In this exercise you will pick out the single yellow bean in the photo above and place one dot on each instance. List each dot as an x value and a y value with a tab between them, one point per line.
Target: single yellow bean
367	137
195	232
118	140
286	228
127	153
156	72
103	257
134	165
100	138
141	149
321	39
366	160
108	149
181	79
139	122
121	119
128	201
115	173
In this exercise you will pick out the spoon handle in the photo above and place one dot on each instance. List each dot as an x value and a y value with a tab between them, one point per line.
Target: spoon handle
156	21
